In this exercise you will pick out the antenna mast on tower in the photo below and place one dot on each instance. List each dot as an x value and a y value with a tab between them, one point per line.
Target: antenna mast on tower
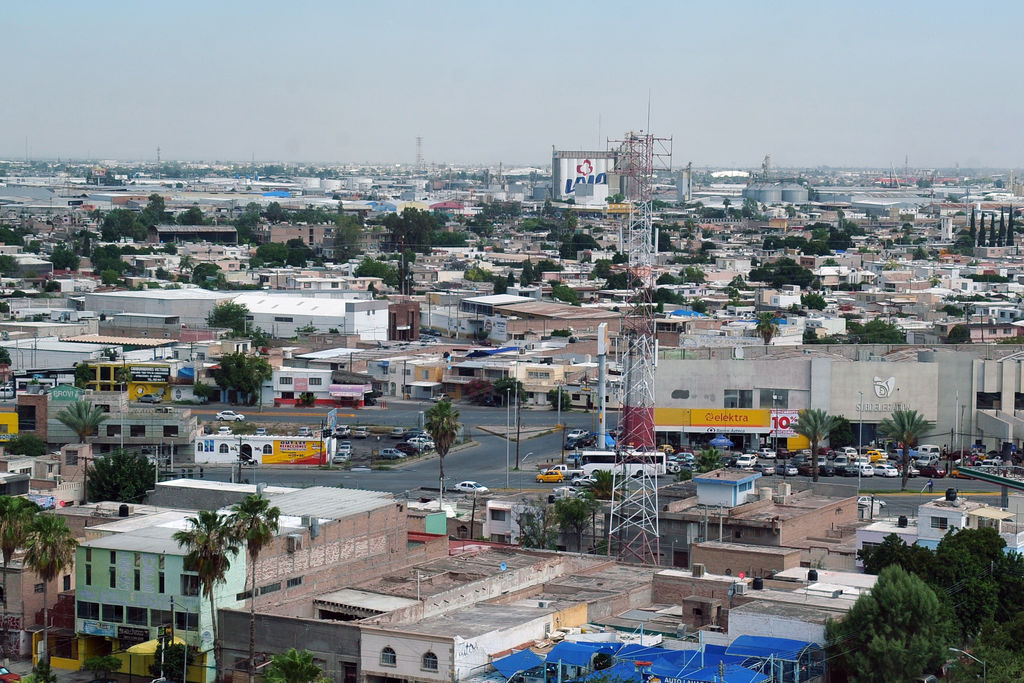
633	532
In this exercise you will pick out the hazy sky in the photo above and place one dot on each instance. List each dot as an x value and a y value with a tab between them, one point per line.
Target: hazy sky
824	82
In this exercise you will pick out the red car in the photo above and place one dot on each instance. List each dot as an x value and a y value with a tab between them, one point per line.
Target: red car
8	676
931	471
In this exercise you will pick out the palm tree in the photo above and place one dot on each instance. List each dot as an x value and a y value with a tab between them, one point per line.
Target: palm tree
50	549
815	425
83	418
293	667
15	522
208	541
255	523
905	427
442	424
766	327
603	485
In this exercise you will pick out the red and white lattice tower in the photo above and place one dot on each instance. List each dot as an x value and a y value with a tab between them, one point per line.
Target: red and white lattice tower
633	533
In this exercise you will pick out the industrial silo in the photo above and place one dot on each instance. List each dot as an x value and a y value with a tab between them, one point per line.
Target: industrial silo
794	194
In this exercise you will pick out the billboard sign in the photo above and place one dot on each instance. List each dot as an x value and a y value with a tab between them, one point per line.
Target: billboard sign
783	423
150	373
294	452
570	169
729	420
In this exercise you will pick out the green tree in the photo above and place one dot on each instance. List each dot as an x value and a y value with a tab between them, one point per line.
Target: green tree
815	425
347	236
875	332
815	302
603	486
785	271
102	665
255	523
121	476
208	541
372	268
64	259
192	216
273	253
49	550
83	418
959	334
842	433
110	277
26	444
573	515
207	275
537	527
229	315
905	427
707	460
528	276
203	391
293	666
509	387
560	393
442	423
897	631
170	663
766	327
244	373
565	293
155	212
16	515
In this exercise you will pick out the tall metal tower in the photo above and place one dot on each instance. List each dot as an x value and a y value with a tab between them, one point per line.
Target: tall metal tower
419	153
633	532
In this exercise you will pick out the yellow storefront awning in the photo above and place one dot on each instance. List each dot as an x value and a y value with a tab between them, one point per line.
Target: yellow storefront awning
149	647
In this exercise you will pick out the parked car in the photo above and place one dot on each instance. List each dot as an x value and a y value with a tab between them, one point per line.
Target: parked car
865	501
146	398
875	455
8	676
766	453
471	487
440	397
260	431
360	433
223	431
407	448
746	460
931	471
550	477
765	469
390	454
423	443
342	431
867	470
304	431
787	470
585	480
398	433
845	470
886	470
230	416
576	434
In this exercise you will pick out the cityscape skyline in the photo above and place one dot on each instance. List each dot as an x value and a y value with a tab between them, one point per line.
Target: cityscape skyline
844	86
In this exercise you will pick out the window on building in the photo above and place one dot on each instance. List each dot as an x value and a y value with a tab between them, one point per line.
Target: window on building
88	575
429	662
292	583
940	523
285	380
138	430
282	319
739	398
223	448
137	580
160	582
136	559
88	554
71	458
780	402
189	584
170	430
113	577
87	610
113	430
113	557
499	515
270	588
681	393
38	588
113	613
268	449
388	658
159	617
316	381
243	596
186	621
137	616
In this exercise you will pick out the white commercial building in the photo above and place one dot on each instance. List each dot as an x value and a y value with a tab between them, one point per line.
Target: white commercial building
284	316
191	304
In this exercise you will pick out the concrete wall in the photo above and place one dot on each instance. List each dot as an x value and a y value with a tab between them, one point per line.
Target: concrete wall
752	561
409	650
758	623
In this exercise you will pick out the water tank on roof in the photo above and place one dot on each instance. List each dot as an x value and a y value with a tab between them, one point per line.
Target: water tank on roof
812	575
902	521
758	583
951	494
122	510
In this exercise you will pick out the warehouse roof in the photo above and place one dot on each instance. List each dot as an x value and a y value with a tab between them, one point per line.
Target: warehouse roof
330	503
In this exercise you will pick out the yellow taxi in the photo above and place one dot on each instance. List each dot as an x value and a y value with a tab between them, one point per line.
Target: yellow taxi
550	477
875	456
667	449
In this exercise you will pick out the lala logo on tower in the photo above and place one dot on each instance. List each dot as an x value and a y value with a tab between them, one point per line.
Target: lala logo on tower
585	176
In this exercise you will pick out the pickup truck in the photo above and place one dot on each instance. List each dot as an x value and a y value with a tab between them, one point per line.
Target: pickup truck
567	473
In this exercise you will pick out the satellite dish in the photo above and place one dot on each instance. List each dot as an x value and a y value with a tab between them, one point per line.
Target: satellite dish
502	566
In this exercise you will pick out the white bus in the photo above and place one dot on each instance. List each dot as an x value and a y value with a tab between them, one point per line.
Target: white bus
592	461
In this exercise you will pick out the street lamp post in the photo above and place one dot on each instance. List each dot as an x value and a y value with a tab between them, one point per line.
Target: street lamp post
508	436
860	440
525	457
984	666
775	424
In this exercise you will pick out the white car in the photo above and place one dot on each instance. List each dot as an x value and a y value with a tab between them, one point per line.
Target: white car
866	470
788	470
886	471
223	431
746	461
230	416
471	487
766	454
576	434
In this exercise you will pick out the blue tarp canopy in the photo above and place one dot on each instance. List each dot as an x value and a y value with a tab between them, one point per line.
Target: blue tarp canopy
277	193
514	663
734	673
623	671
579	654
678	664
784	649
609	442
634	651
721	441
186	372
682	313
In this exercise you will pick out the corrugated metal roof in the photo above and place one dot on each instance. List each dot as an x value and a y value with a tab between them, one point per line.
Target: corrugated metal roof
129	341
330	503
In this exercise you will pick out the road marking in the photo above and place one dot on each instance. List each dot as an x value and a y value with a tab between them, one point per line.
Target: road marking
268	416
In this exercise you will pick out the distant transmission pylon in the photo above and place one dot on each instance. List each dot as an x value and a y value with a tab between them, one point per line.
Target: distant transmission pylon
633	534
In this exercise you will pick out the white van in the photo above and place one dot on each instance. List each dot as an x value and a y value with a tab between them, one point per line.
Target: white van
927	449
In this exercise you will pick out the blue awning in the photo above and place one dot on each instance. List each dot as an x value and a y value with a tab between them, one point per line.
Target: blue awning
634	651
784	649
733	674
480	353
186	372
514	663
579	654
